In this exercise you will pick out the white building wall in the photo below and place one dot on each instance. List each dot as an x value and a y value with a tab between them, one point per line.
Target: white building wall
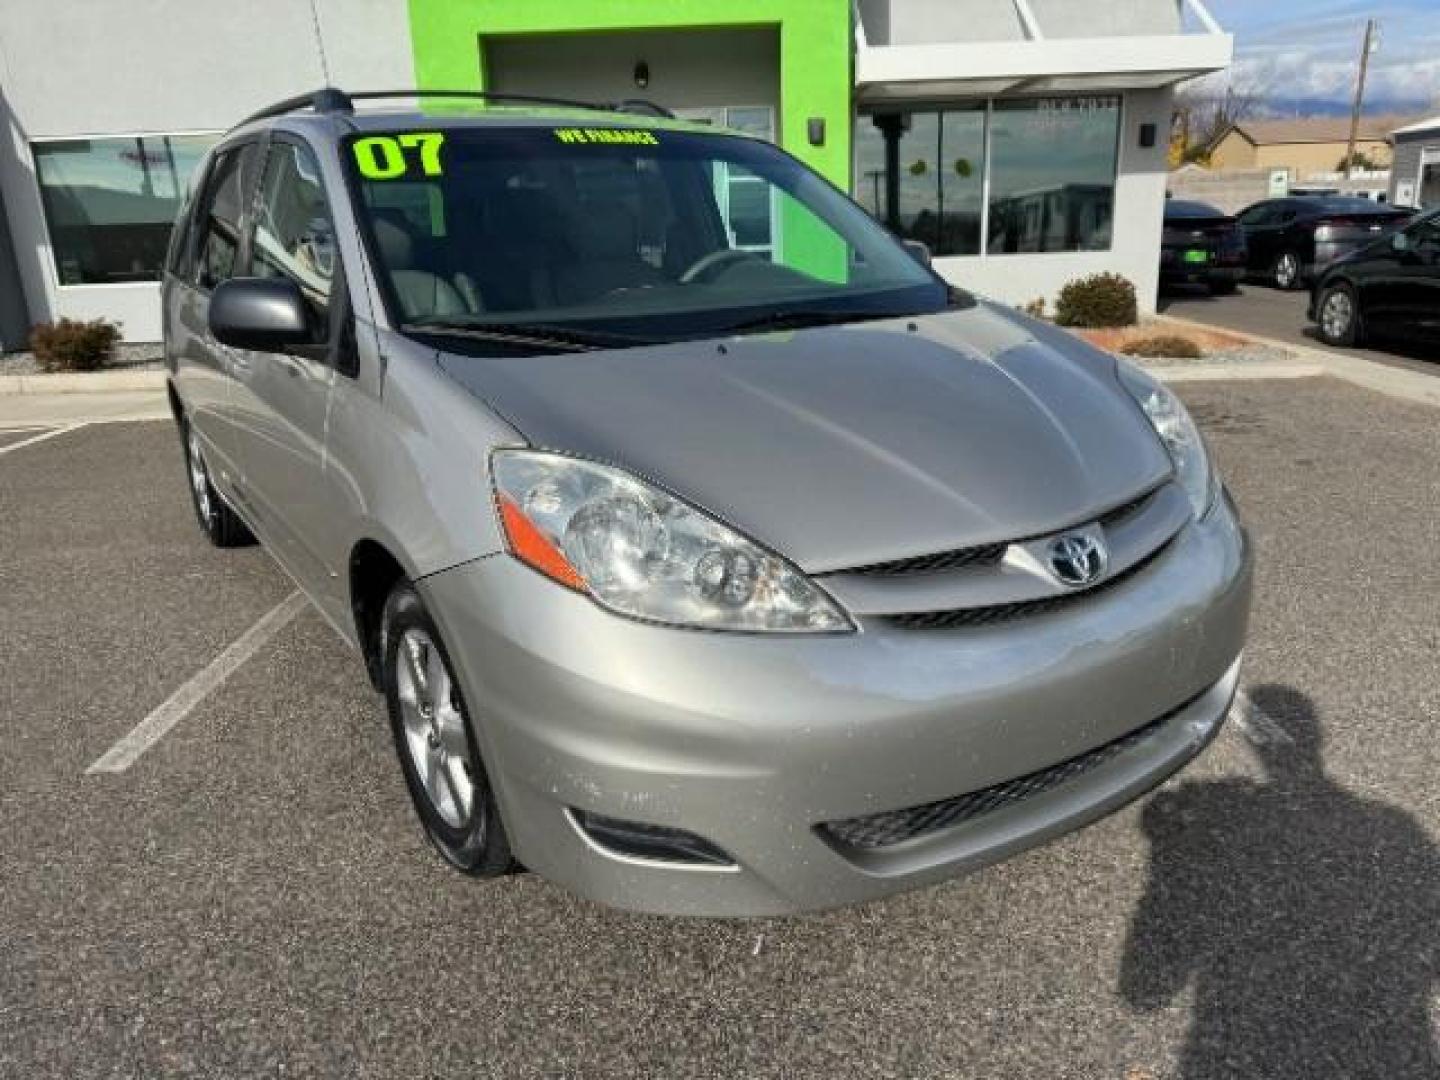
105	67
1135	244
920	22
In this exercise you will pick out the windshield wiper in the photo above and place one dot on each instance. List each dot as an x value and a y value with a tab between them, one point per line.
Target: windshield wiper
800	318
535	335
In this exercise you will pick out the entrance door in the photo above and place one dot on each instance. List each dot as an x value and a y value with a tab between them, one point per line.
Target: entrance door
1429	194
745	201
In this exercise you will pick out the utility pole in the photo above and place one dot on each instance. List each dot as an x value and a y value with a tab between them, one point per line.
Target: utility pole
1365	50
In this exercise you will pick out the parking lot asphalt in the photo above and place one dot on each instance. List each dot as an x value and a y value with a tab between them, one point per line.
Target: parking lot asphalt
254	898
1270	313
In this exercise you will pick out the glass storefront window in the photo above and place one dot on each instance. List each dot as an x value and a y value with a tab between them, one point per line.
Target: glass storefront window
109	203
1051	171
1052	174
940	177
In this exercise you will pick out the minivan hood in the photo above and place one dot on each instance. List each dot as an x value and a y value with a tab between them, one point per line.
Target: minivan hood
845	446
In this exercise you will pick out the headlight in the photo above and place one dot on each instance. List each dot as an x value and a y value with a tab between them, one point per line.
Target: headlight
641	552
1178	432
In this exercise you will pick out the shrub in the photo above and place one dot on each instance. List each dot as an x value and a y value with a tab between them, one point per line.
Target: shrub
1035	308
1163	346
1097	301
71	345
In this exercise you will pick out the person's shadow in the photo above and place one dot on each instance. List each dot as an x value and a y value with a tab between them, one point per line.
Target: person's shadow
1306	917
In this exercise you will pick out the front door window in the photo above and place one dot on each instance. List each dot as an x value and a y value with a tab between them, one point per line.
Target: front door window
294	237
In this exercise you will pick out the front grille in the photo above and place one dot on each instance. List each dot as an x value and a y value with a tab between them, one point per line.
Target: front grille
980	554
994	613
893	826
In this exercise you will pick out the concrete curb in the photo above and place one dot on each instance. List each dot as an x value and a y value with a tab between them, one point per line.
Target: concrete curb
1237	372
1392	381
83	382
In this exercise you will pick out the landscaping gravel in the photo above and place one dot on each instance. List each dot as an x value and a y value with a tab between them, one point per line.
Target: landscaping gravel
133	357
1239	354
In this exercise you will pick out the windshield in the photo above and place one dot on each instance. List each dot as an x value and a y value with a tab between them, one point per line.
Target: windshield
630	236
1181	209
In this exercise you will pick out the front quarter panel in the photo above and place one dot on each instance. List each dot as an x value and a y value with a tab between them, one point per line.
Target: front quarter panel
412	462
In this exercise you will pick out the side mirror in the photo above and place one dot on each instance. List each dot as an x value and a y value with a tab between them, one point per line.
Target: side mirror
1400	243
263	314
919	251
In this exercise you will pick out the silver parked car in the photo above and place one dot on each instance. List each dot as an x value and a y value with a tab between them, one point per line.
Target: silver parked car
713	555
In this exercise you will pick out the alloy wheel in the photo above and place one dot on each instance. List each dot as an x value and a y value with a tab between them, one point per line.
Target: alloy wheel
434	726
1287	270
199	481
1336	314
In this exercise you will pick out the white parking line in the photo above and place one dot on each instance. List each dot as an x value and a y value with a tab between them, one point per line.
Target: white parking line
40	438
179	704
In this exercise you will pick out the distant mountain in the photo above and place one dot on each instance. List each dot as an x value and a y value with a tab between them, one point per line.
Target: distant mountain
1284	108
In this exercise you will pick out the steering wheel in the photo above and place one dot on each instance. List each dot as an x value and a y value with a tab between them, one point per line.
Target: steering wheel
705	267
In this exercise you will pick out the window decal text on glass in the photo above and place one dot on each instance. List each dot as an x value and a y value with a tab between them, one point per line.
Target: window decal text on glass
389	157
623	136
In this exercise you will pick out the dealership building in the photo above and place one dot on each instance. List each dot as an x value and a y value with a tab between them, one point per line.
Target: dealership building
1024	141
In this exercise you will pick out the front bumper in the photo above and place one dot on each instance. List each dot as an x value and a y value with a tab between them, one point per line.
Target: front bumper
753	742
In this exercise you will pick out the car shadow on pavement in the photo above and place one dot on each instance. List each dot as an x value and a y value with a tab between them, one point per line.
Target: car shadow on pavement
1402	347
1306	917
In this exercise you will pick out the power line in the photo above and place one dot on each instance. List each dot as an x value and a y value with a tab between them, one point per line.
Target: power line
319	43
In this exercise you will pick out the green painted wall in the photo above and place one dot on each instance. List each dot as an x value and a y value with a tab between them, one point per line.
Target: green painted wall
815	44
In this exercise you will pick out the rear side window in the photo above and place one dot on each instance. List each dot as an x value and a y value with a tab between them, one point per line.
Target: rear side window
1257	215
294	235
1425	236
217	220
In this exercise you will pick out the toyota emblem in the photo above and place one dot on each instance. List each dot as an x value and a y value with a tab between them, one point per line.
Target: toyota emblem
1078	559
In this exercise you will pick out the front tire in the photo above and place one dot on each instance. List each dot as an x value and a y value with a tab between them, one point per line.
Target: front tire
1337	316
1222	286
1287	271
220	524
436	743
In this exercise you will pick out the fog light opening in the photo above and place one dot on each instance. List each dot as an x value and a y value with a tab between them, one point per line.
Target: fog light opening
651	843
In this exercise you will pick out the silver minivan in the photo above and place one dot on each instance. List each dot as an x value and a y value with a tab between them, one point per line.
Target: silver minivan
712	553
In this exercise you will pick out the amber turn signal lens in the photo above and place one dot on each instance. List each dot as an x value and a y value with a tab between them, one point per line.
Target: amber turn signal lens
532	547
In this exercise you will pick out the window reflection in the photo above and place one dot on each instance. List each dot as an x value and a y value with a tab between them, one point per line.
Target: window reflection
109	203
1052	174
939	173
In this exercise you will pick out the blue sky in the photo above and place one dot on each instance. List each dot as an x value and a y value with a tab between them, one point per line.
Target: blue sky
1307	49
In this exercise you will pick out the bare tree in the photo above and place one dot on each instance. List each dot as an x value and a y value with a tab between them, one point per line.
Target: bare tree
1204	114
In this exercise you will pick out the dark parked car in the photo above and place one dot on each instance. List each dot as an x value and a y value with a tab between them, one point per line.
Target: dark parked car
1391	286
1201	244
1291	241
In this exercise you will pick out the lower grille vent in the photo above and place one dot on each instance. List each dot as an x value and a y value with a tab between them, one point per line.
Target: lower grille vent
893	826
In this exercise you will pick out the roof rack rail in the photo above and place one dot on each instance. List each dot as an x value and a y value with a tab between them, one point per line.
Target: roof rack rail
327	99
642	107
330	99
